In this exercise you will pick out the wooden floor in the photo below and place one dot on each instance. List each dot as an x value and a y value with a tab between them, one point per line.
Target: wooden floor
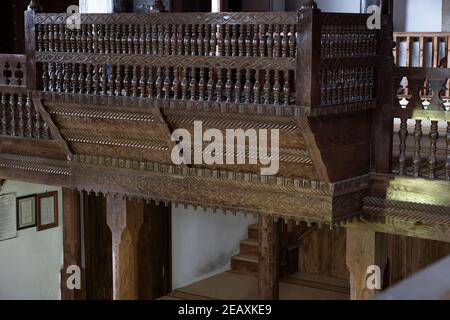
235	286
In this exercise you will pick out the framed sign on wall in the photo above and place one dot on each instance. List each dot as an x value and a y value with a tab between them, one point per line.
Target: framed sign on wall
26	212
47	211
8	218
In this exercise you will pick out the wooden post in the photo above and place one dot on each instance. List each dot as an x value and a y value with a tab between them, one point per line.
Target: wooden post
30	48
72	243
382	130
269	270
364	249
125	219
308	55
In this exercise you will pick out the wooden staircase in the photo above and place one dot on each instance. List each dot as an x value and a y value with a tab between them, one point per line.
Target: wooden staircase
246	262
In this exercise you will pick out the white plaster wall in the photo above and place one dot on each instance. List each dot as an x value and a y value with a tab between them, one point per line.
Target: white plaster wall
30	264
203	243
423	16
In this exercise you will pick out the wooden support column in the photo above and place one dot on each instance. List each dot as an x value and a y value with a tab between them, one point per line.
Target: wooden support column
125	219
364	249
72	243
269	270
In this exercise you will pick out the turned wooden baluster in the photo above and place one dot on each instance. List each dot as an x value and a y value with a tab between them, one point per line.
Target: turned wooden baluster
161	37
143	83
150	83
78	43
136	39
403	134
62	38
20	123
101	39
74	84
227	40
193	84
60	77
257	87
40	37
135	83
276	88
96	79
213	41
194	40
45	38
107	39
89	79
417	148
104	80
238	87
12	114
219	85
174	40
200	38
187	40
211	85
184	84
180	40
67	76
142	39
67	37
234	41
118	39
148	39
229	86
167	83
112	39
277	41
248	40
155	39
119	82
28	107
82	78
84	39
270	42
45	76
159	83
4	114
262	40
220	40
176	86
255	41
432	160
112	80
267	87
248	86
241	40
126	81
207	40
447	163
124	39
56	44
285	42
52	77
292	42
51	43
202	85
286	88
37	124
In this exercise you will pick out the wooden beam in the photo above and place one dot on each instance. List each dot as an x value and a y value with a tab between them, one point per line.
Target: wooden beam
364	249
125	219
71	243
268	258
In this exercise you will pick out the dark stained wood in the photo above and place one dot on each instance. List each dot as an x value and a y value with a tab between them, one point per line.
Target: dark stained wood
155	252
269	269
97	248
71	243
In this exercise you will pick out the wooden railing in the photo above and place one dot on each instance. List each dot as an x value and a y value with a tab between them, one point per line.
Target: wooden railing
18	117
422	140
422	49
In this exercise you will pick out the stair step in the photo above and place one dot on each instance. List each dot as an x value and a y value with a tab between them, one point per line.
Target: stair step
253	232
249	246
244	263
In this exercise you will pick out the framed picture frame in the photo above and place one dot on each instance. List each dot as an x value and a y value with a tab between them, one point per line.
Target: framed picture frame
26	212
47	211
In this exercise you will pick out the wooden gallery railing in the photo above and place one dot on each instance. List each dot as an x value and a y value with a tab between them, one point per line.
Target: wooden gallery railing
17	113
421	105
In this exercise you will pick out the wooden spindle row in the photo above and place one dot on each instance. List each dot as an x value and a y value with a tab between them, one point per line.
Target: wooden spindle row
347	85
19	117
348	41
424	164
202	84
198	40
